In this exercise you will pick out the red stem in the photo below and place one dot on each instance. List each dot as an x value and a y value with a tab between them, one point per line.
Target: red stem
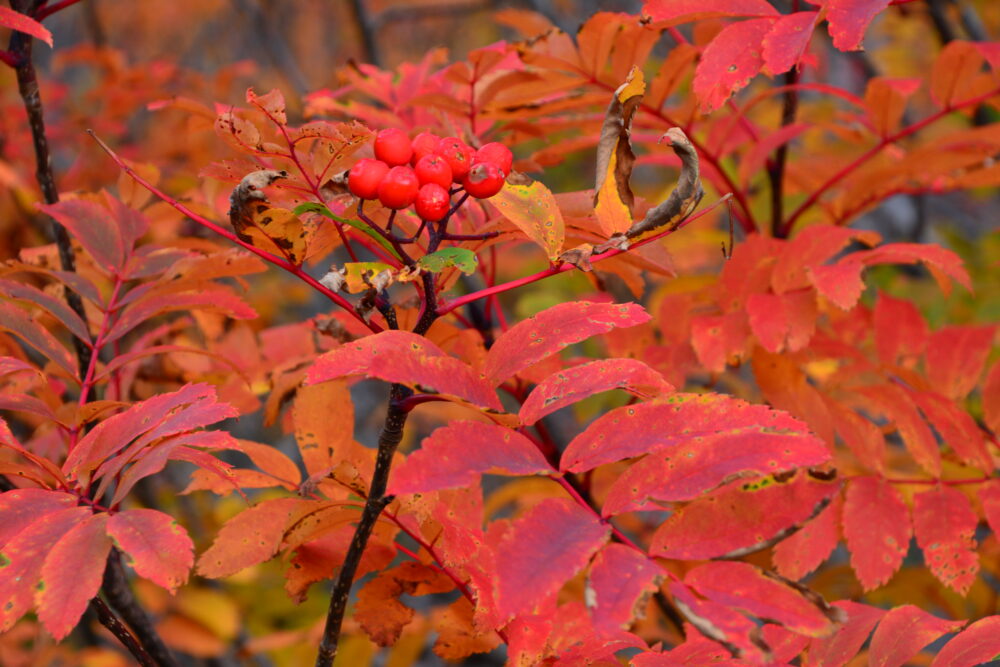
874	150
52	9
263	254
563	268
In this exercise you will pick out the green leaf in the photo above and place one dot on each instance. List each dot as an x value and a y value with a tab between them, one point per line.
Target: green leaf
461	258
363	227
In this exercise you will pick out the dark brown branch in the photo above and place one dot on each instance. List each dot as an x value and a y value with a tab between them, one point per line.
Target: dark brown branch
367	31
111	622
27	83
116	589
388	441
776	171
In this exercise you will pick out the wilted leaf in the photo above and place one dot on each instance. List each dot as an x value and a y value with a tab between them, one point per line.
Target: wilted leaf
613	197
378	608
276	230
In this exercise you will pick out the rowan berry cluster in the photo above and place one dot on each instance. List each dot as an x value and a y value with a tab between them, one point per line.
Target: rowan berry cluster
424	172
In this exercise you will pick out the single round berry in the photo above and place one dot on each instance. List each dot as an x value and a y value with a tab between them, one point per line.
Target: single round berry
458	156
484	180
393	146
495	153
433	169
432	202
365	176
399	188
424	143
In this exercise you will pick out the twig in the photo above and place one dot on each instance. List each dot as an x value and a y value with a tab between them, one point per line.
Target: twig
115	587
111	622
27	83
776	171
388	441
366	29
263	254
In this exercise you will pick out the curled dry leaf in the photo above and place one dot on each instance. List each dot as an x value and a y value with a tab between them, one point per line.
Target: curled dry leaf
276	230
613	198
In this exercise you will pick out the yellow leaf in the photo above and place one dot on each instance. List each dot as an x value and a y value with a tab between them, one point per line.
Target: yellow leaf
533	209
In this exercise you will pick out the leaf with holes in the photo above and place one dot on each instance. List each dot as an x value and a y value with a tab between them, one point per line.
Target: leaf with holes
944	525
532	209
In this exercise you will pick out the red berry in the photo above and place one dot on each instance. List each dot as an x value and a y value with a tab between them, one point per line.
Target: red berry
458	156
484	180
495	153
433	169
365	176
393	146
424	143
433	202
398	188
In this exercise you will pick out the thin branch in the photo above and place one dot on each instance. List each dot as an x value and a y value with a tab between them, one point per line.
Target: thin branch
111	622
27	83
49	10
263	254
776	170
115	587
367	31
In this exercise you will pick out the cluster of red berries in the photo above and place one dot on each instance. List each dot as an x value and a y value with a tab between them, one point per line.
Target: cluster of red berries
420	172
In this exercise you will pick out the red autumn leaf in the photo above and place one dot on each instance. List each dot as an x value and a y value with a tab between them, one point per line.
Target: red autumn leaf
249	538
899	407
717	339
18	322
783	321
404	357
23	23
740	516
71	574
943	264
620	582
743	586
216	300
22	558
156	546
574	384
806	550
956	427
841	283
991	398
810	248
714	420
21	507
730	61
691	469
900	330
551	330
838	649
976	644
877	529
848	20
458	454
684	11
989	496
379	610
95	228
944	525
787	41
886	101
190	407
903	632
714	620
955	358
30	295
541	551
